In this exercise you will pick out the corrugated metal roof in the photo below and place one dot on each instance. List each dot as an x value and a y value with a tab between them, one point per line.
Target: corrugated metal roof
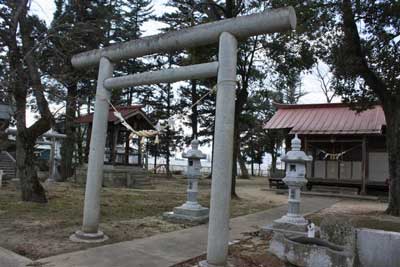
125	111
335	118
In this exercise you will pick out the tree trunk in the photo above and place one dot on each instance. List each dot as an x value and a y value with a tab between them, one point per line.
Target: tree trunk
240	101
392	114
155	158
79	141
31	189
252	166
168	143
273	161
243	168
194	116
68	145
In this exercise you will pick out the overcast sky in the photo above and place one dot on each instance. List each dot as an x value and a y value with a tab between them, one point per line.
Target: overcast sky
45	9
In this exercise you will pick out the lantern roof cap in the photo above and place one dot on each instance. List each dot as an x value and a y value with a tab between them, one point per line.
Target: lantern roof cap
296	155
194	152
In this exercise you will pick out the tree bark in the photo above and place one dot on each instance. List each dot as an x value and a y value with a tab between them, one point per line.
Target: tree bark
243	168
273	162
168	143
155	158
31	189
392	115
68	145
194	116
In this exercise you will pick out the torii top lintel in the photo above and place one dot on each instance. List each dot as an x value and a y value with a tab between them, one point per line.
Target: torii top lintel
269	21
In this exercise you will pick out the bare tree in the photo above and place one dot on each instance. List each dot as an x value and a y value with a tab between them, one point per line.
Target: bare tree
325	83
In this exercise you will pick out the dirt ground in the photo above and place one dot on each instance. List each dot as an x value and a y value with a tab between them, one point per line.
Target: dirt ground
249	252
41	230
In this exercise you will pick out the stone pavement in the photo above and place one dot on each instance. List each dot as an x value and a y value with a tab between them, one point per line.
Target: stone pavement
171	248
11	259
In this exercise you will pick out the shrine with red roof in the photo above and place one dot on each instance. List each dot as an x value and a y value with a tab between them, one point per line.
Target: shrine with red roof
119	151
348	147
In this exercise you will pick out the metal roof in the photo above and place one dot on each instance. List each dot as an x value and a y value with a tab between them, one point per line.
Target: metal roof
333	118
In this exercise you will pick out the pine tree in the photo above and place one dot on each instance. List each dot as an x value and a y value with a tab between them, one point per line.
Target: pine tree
186	14
76	27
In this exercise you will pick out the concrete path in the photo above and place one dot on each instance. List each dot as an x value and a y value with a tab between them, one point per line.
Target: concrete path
171	248
11	259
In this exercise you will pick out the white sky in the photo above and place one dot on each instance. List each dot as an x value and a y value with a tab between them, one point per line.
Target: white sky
45	9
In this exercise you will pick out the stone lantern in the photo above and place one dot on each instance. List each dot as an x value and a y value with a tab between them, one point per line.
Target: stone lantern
191	210
295	161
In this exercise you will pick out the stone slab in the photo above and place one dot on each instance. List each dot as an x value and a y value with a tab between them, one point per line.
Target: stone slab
11	259
377	248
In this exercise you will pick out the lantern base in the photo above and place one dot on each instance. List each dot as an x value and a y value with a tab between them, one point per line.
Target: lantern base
182	214
291	223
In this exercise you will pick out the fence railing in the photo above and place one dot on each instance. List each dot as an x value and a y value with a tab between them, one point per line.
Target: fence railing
181	169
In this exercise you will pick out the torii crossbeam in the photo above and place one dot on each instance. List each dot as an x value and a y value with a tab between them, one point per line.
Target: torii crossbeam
226	32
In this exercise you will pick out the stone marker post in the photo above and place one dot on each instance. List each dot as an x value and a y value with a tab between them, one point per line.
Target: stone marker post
191	211
295	161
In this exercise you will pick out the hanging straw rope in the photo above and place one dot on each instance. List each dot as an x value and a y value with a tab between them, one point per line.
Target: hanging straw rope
335	156
159	128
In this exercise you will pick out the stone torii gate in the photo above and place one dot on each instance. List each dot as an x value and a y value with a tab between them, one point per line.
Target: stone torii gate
226	32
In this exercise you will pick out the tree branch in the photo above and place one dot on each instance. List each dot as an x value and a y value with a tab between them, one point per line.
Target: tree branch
357	56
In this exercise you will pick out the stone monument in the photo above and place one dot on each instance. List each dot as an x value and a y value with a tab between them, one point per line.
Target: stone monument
191	210
295	161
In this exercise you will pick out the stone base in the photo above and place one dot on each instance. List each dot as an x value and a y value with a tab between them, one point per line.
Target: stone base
81	237
291	223
182	214
119	176
270	230
304	251
206	264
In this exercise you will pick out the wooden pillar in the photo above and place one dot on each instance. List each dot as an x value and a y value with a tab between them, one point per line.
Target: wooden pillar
314	155
146	157
140	151
364	166
305	150
114	141
127	147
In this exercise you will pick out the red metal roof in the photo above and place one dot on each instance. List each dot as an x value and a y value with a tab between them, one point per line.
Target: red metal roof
125	111
335	118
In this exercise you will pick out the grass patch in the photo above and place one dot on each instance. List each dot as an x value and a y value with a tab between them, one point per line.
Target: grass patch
41	230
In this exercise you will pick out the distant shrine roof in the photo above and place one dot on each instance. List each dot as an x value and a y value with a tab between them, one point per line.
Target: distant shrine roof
126	111
330	118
